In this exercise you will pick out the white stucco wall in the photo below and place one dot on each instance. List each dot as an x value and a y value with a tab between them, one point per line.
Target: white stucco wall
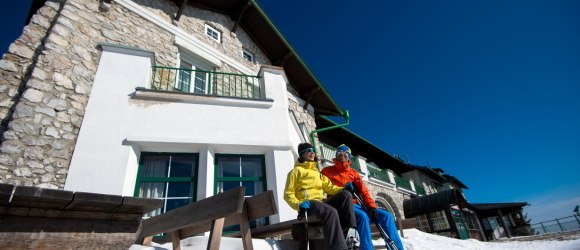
121	122
100	160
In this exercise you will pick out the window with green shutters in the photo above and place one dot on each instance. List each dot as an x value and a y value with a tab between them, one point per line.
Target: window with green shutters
171	177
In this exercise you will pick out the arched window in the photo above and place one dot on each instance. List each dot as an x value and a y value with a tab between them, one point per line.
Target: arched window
382	204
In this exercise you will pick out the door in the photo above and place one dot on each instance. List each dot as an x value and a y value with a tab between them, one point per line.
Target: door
460	223
192	78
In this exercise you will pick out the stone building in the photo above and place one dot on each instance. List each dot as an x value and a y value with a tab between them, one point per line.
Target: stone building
154	98
176	100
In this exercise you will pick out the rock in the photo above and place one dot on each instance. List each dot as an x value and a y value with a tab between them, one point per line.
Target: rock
22	172
33	164
21	51
34	153
52	131
39	73
58	40
33	95
47	111
39	84
8	66
23	110
59	144
6	160
24	127
58	104
11	147
34	141
63	117
62	80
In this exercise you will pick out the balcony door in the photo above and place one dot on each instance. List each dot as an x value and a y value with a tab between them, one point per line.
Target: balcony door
192	78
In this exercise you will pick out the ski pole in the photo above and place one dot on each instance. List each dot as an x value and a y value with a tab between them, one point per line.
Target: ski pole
388	242
303	214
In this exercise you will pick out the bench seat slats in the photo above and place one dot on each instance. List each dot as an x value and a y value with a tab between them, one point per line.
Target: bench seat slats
194	214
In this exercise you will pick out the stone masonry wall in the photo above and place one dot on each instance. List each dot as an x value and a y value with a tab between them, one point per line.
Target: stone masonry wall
304	116
40	138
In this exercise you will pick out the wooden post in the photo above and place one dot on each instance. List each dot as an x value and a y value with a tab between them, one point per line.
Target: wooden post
175	240
246	235
502	222
215	235
480	227
451	222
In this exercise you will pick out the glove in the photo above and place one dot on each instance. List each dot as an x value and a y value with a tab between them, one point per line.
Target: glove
373	215
349	187
305	205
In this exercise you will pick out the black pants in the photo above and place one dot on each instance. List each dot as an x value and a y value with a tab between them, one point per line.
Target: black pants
335	214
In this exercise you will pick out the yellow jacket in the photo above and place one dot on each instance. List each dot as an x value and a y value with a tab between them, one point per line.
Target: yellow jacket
306	177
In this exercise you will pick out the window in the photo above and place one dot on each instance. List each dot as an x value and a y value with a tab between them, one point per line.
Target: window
192	78
241	170
423	223
213	33
167	176
439	221
247	55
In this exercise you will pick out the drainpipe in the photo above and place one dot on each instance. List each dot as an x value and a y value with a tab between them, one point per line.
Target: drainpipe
346	116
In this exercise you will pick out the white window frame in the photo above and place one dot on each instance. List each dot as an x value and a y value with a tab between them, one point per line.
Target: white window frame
249	56
196	64
209	32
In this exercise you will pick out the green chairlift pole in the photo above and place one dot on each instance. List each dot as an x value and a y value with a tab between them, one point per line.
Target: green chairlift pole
346	118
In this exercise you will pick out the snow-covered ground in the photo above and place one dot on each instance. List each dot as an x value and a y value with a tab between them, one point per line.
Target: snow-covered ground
414	240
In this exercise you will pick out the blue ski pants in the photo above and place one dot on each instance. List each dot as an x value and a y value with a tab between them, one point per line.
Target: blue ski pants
386	221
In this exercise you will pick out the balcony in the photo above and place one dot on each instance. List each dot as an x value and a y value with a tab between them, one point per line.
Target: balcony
377	173
420	190
207	83
403	183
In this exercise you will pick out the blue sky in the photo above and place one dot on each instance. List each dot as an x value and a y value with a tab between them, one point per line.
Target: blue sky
489	91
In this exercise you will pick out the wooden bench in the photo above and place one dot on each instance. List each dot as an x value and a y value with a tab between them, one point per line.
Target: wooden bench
212	214
37	218
295	229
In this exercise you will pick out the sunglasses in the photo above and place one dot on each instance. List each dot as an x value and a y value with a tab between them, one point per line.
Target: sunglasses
341	152
309	150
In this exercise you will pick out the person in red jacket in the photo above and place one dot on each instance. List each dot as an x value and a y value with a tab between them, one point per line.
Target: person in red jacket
339	175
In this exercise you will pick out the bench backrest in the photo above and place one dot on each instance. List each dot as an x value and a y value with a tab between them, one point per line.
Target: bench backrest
257	206
200	212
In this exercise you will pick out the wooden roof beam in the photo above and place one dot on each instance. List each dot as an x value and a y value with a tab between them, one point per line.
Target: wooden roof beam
180	11
280	62
309	94
242	12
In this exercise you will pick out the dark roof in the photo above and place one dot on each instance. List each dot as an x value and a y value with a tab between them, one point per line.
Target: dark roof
454	179
433	202
358	145
249	16
435	176
255	21
495	206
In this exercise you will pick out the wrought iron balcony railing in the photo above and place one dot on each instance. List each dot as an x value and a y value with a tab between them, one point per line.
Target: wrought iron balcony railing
211	83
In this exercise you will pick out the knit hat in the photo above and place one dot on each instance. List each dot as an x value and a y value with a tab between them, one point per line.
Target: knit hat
302	148
343	147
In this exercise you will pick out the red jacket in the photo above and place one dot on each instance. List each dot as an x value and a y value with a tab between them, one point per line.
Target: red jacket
341	173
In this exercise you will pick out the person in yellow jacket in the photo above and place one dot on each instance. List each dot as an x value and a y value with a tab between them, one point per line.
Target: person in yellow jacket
305	188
